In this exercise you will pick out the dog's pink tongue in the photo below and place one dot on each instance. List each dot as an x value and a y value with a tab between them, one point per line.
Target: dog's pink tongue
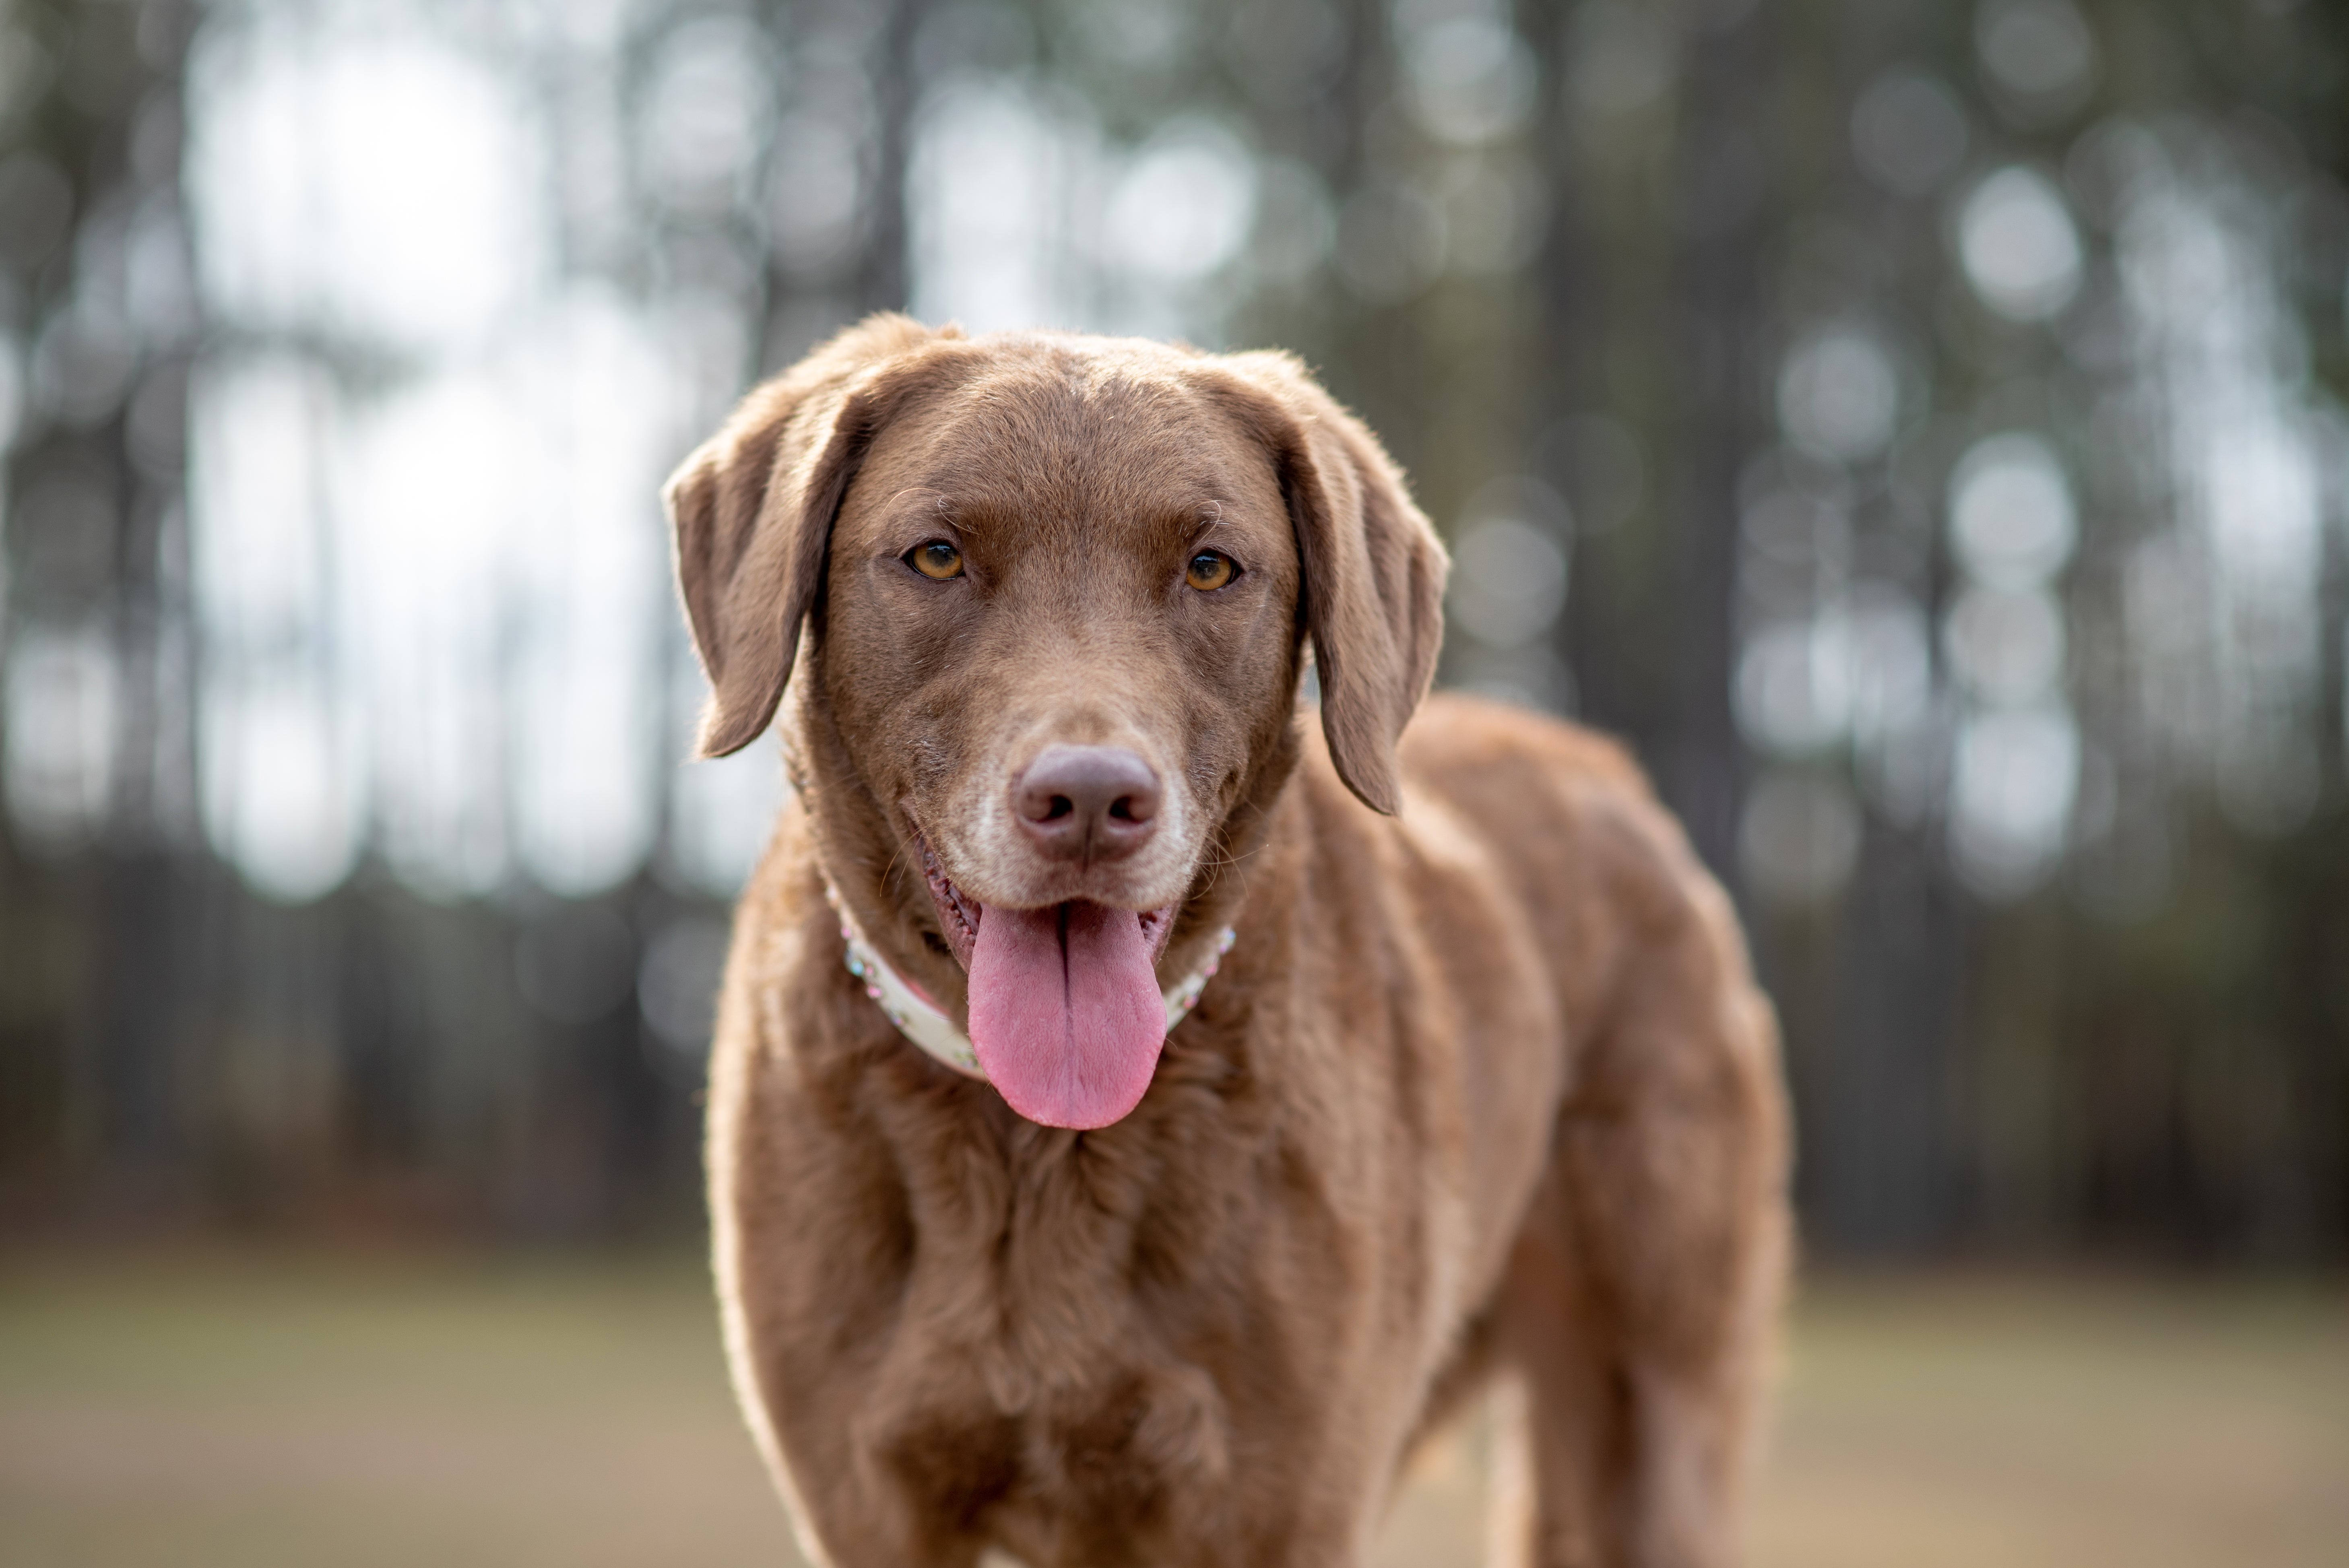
1065	1013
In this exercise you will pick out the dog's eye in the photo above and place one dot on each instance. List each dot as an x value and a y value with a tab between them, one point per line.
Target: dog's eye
1210	570
938	559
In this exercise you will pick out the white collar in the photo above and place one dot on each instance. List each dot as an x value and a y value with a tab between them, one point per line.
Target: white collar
919	1020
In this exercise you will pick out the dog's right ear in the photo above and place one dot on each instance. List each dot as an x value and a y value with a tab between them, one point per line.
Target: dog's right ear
750	514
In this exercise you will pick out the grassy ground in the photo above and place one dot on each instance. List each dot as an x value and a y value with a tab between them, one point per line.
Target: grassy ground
274	1411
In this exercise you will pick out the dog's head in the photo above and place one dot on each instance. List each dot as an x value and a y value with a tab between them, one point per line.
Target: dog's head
1055	592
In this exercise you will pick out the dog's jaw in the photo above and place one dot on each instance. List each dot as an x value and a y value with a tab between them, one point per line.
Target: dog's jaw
1066	1018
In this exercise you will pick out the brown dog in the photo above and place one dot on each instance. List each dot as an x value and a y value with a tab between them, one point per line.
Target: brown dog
1482	1083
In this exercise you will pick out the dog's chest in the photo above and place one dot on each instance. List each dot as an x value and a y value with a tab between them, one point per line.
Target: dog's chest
1060	1456
1047	1378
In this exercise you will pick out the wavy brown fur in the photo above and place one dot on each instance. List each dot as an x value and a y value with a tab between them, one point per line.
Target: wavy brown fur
1484	1087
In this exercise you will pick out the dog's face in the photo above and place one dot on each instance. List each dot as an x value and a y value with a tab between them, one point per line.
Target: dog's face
1057	590
1059	622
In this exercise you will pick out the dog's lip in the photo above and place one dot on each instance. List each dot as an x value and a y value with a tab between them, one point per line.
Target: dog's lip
960	913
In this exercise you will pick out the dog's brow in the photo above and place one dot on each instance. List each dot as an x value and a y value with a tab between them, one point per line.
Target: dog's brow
940	502
1209	517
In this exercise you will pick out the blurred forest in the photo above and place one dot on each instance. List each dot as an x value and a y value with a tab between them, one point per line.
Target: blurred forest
1915	427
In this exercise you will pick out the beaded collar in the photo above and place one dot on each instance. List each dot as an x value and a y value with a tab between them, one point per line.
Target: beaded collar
919	1020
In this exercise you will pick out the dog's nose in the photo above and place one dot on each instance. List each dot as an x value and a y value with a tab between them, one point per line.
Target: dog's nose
1087	802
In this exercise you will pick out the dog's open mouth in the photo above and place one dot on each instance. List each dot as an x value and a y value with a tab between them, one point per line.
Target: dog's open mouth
1065	1011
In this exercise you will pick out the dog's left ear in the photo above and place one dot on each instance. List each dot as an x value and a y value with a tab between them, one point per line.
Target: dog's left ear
752	513
1373	571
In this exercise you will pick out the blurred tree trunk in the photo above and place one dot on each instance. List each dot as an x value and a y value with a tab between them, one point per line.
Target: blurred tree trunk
1720	186
1650	303
110	309
881	266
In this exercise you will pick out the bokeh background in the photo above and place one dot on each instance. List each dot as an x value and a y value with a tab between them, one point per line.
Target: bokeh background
1916	425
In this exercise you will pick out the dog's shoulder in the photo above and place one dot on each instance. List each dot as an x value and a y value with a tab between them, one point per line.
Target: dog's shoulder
1537	787
1571	818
